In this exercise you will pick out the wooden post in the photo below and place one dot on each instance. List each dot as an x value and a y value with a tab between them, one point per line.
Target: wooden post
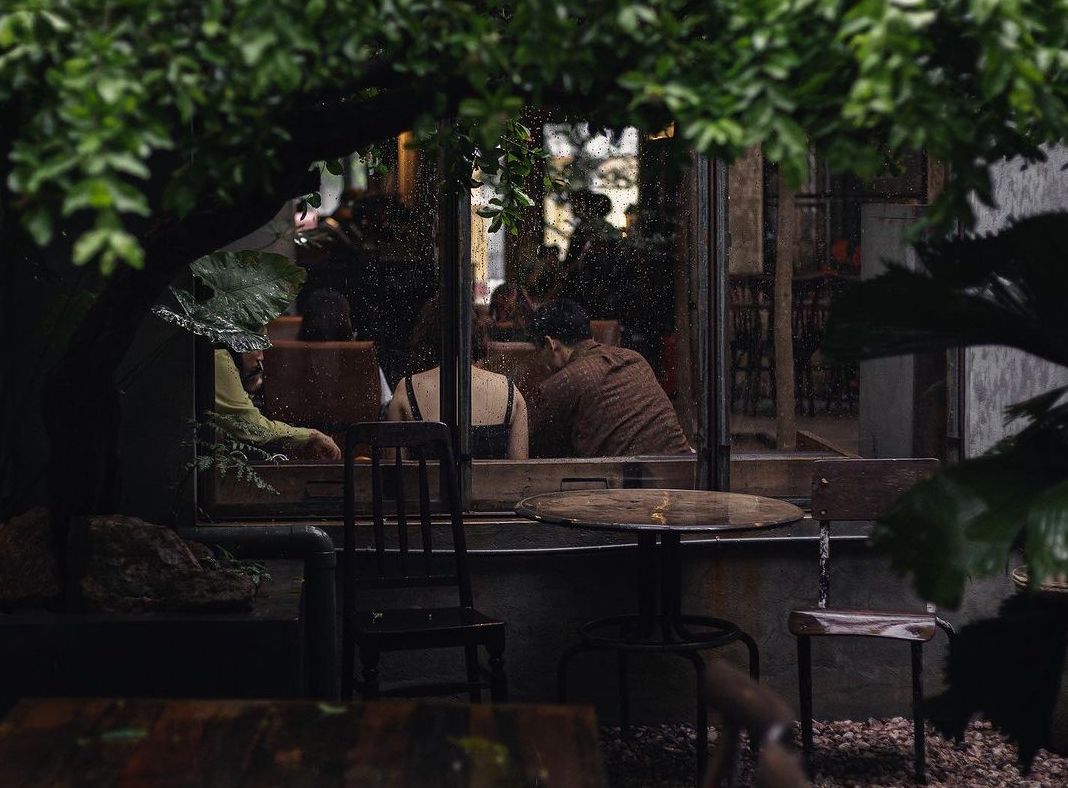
785	254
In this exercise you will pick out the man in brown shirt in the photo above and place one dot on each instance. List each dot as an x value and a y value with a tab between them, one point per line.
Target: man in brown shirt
601	401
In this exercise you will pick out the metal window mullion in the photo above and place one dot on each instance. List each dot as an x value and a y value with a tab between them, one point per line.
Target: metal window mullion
456	309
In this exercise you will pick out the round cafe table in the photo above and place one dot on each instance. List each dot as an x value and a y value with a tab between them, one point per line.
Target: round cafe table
659	624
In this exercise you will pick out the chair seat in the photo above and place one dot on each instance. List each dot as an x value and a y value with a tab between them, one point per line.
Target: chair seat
425	627
892	624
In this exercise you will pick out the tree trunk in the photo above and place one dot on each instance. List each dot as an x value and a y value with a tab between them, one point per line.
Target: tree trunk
785	252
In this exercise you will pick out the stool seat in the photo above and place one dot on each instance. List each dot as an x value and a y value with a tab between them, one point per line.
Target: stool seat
857	622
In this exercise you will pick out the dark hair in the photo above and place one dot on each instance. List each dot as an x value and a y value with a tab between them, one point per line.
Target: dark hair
327	318
520	308
561	319
424	344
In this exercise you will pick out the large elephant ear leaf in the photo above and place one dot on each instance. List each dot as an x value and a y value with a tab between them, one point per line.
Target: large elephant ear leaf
963	522
200	320
250	289
1002	289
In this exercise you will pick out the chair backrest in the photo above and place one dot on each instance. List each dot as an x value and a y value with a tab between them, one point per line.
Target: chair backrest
607	332
858	489
748	706
521	362
422	442
284	327
328	385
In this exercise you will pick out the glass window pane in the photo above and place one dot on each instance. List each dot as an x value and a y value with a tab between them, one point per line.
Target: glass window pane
617	406
792	253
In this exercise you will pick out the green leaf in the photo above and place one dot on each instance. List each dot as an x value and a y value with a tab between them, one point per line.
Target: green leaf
250	288
90	244
1001	289
203	321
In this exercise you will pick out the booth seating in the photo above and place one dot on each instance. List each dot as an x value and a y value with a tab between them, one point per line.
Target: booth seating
520	361
607	332
326	385
284	327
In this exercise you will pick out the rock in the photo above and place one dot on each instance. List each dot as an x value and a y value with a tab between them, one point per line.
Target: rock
29	576
204	555
131	565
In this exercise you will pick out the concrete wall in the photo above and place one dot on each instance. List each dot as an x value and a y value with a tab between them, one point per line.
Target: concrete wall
545	598
996	377
886	384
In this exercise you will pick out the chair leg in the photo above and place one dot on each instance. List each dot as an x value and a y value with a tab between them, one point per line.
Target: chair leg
754	655
498	681
624	693
919	736
561	669
804	685
473	678
348	665
369	660
702	712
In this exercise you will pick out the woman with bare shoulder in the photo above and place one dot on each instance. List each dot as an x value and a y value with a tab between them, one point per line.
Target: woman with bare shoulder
498	410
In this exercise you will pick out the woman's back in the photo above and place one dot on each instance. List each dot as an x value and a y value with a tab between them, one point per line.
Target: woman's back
498	410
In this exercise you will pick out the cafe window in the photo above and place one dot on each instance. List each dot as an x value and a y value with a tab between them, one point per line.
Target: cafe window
643	235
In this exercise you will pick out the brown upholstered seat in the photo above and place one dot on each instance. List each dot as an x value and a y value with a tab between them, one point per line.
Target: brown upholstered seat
607	332
326	385
284	327
894	625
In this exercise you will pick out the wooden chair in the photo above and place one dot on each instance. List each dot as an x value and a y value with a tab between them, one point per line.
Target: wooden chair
743	704
326	385
844	490
373	632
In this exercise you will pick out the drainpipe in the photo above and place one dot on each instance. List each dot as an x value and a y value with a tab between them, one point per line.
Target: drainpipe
320	602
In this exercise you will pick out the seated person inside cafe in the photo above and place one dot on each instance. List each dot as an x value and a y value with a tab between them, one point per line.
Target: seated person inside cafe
601	401
498	410
239	377
510	311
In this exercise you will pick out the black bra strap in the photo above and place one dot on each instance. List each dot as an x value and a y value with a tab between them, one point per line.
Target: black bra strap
511	396
412	403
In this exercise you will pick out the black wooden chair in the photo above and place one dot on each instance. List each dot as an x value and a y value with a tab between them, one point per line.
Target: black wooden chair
844	490
373	632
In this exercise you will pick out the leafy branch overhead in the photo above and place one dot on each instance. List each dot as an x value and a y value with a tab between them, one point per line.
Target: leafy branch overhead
1003	289
249	290
121	116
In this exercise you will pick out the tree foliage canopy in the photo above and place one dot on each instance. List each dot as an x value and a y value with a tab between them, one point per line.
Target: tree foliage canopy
125	115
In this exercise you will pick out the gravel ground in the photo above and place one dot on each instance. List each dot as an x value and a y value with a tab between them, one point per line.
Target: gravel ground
871	753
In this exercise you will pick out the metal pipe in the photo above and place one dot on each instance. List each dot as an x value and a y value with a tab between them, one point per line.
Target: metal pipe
316	548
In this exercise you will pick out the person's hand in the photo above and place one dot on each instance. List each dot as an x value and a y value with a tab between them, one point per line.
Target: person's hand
322	447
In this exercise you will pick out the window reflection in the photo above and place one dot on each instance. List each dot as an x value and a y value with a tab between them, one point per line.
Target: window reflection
792	253
610	243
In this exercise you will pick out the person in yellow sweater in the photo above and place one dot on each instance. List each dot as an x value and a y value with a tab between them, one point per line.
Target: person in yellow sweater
232	389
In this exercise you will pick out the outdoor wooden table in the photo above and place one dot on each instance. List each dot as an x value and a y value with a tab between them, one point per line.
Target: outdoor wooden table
660	624
296	743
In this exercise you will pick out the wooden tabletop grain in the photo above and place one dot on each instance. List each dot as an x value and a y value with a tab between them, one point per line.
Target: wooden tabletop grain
683	511
87	742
